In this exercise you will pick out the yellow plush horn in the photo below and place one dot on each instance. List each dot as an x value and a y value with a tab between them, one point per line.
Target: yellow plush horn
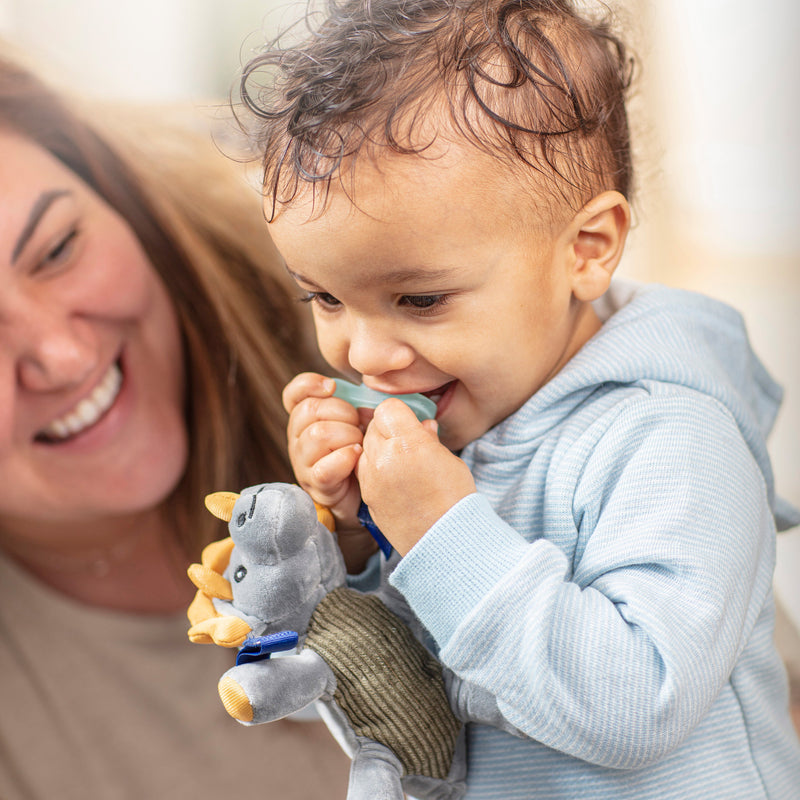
220	504
227	631
217	555
209	582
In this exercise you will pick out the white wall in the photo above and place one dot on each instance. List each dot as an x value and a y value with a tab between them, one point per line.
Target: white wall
729	71
151	50
720	189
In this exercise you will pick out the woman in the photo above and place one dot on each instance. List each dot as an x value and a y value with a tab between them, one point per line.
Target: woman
145	334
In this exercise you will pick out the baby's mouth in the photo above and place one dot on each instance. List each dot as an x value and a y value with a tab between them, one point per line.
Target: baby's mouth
437	394
88	411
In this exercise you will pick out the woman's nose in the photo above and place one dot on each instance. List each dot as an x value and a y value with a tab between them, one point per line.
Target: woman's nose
374	351
52	351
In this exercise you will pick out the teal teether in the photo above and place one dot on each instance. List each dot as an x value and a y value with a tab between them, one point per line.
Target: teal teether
364	397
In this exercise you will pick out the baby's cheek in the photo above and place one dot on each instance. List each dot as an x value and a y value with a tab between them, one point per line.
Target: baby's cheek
332	347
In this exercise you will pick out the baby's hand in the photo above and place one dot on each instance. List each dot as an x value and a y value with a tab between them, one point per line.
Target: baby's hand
408	478
324	437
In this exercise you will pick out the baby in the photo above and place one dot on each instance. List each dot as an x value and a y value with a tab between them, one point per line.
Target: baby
586	531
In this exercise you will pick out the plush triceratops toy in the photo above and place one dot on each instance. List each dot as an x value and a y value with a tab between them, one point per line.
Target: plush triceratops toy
278	583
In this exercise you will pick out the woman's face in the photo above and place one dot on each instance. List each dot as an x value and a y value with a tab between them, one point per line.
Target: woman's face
91	376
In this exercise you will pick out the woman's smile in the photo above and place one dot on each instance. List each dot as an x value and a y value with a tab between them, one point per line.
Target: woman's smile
88	411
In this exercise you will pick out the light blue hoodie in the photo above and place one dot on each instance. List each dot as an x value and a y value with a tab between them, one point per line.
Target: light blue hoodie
609	585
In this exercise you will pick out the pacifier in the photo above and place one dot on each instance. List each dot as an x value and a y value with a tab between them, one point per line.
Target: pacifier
360	396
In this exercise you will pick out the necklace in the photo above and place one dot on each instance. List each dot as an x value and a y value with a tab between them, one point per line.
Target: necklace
95	561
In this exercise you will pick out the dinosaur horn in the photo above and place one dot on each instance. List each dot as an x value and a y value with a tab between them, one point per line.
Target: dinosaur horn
209	582
217	555
220	504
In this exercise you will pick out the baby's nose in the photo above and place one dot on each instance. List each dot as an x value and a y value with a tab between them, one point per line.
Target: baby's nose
374	351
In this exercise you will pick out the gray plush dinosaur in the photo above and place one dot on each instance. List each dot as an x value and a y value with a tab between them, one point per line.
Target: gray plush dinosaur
278	583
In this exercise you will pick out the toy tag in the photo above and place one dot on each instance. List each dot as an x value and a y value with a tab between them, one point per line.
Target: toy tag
257	648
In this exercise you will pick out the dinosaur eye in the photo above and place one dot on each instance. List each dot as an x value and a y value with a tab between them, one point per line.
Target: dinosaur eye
241	571
241	519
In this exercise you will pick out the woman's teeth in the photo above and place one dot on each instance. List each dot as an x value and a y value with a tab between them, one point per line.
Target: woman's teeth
89	410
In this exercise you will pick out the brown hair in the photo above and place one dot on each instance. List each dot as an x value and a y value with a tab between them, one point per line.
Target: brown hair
530	81
202	228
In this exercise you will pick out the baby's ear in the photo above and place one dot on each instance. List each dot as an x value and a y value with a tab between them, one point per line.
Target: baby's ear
595	240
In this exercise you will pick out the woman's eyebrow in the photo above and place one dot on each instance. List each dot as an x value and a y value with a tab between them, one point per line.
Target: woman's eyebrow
38	210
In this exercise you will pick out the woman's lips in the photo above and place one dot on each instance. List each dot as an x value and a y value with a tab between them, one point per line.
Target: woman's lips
88	411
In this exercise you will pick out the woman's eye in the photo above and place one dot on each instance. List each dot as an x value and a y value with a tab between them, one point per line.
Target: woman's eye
323	299
62	250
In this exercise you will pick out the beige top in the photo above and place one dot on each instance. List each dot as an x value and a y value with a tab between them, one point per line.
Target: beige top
99	705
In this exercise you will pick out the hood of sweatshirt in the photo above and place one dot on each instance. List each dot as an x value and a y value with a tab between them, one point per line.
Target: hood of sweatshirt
655	333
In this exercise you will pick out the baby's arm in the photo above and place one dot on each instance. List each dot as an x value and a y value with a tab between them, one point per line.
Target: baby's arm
611	630
324	437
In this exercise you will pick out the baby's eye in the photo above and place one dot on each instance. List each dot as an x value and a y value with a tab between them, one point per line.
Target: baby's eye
322	299
424	302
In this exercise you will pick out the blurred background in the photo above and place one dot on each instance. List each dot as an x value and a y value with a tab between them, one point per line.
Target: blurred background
716	122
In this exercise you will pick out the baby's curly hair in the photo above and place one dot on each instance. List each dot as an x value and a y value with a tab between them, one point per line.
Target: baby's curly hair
532	82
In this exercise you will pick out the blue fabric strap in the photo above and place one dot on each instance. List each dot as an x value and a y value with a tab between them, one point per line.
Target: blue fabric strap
366	520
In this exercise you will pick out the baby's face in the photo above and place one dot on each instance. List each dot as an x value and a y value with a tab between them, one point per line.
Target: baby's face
440	281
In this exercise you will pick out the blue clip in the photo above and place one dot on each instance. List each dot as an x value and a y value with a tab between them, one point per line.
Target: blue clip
366	520
257	648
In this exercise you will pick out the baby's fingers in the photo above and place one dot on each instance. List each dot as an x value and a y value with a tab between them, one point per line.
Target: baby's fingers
320	438
393	419
318	417
329	478
307	384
